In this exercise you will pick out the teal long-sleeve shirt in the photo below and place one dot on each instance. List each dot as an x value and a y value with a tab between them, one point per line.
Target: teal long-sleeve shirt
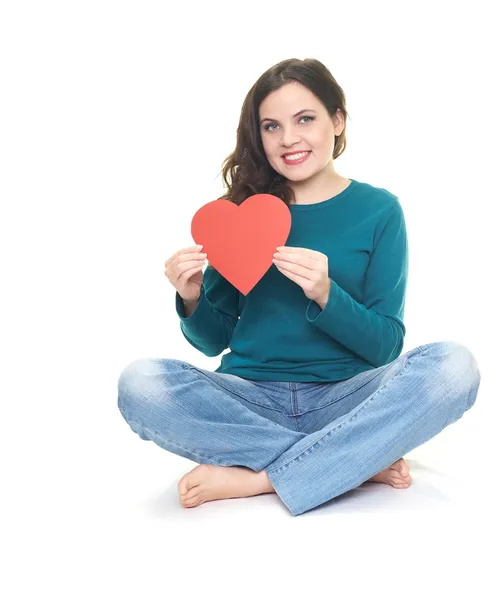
275	333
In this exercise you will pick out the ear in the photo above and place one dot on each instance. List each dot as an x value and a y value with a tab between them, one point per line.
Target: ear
339	122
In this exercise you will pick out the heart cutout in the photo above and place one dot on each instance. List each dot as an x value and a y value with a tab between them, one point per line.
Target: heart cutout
240	241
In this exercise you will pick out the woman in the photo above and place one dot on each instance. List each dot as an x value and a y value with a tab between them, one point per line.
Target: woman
314	397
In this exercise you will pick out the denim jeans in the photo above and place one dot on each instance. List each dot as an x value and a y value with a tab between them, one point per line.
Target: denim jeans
314	440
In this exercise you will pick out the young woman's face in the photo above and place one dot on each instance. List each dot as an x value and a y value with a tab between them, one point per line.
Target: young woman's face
312	131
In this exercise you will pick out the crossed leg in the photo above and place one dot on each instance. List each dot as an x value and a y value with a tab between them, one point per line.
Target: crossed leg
212	482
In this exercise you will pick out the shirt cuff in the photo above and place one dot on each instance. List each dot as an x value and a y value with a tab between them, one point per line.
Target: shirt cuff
314	312
179	305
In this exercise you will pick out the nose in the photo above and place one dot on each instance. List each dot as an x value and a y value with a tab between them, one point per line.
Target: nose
289	138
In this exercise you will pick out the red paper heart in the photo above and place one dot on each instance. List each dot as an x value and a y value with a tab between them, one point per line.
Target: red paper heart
240	241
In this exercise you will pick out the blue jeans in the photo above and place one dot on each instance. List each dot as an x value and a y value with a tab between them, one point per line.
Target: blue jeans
314	440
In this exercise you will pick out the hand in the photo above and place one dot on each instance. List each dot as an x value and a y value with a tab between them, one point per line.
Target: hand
307	268
184	270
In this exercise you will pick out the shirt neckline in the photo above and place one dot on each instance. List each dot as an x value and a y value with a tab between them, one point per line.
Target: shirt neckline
324	203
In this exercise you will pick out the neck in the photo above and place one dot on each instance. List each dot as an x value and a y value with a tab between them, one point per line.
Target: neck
318	187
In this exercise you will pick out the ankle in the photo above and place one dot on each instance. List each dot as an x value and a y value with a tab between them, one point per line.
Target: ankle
265	485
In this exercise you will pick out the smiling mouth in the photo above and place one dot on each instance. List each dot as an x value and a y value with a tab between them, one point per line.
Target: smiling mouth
301	156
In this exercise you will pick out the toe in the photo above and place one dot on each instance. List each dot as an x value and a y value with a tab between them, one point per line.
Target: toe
401	481
404	470
183	486
402	485
190	480
401	467
194	491
194	501
397	478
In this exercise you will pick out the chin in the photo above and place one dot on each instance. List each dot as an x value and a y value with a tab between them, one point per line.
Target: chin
301	177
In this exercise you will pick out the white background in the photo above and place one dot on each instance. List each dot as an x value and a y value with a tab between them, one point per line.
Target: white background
115	119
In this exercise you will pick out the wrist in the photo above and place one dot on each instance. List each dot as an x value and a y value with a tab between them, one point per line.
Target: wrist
322	302
190	306
190	302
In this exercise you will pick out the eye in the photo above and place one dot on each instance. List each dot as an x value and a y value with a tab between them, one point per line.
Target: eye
267	127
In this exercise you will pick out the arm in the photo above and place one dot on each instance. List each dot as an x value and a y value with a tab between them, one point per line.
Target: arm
373	330
210	326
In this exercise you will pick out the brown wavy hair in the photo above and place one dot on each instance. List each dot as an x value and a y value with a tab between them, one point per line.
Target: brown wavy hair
247	171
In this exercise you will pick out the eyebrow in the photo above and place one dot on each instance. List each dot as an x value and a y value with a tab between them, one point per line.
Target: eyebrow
295	115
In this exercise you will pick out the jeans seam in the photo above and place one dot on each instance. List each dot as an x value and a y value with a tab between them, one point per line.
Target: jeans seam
155	433
328	433
344	395
239	395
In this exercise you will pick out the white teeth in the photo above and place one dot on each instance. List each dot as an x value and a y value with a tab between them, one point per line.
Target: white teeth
295	156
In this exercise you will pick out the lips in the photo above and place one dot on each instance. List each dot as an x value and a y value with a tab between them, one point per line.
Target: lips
286	154
298	161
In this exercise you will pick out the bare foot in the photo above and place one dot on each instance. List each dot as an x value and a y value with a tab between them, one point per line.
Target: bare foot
397	475
213	482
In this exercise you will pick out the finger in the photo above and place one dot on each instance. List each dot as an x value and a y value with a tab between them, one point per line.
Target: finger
296	250
185	275
190	264
192	256
178	259
192	249
307	261
181	266
182	255
304	272
301	281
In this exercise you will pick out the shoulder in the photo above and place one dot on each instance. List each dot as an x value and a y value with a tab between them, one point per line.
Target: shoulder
381	208
378	197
